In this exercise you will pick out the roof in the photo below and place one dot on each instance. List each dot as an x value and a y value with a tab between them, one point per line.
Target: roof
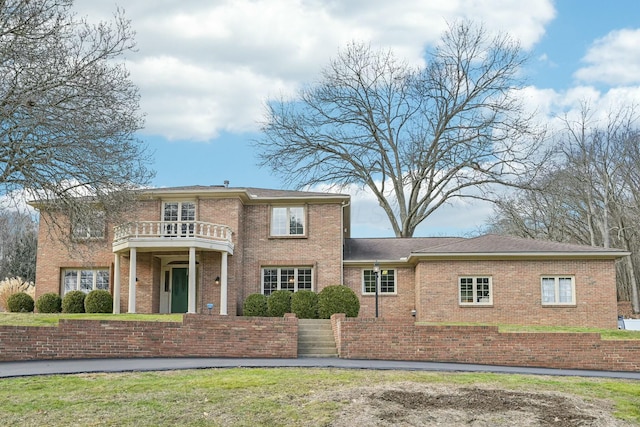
250	193
486	246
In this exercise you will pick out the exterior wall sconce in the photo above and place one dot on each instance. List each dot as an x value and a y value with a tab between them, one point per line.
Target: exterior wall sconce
413	312
376	273
217	280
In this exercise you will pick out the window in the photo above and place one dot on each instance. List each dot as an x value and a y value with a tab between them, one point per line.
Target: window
287	221
558	290
84	280
89	225
286	278
179	218
475	291
387	281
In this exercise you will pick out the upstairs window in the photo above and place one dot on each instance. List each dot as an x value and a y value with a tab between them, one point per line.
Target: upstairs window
179	218
288	221
558	290
90	225
475	291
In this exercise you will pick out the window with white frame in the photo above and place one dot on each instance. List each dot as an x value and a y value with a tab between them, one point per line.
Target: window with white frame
85	280
179	218
89	225
387	281
286	278
558	290
288	221
475	290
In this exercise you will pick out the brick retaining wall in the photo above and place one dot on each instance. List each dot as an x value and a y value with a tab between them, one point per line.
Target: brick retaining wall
196	336
404	340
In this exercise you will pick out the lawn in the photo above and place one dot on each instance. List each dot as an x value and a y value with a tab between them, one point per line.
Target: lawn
258	397
43	319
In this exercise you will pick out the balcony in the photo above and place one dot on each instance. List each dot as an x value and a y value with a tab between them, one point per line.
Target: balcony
170	235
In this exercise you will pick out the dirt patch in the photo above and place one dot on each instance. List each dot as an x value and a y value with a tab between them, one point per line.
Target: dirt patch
414	404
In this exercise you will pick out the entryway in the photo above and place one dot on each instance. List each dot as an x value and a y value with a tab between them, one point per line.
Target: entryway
315	338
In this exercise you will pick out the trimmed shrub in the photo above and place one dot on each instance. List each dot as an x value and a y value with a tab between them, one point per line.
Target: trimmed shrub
337	299
20	303
73	302
49	303
98	301
255	305
304	304
279	303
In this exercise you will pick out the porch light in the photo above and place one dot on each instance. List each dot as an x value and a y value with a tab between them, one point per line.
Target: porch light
217	280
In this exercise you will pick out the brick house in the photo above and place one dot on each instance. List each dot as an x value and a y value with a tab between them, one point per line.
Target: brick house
186	249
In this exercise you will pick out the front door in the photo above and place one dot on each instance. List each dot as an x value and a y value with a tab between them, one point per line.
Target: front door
179	290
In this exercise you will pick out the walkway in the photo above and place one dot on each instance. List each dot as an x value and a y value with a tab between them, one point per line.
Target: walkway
52	367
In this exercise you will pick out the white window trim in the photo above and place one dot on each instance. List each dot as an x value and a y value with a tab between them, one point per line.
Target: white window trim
279	275
557	290
79	271
475	302
94	228
380	292
180	202
288	233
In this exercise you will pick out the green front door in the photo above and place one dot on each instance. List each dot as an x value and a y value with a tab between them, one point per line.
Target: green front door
179	290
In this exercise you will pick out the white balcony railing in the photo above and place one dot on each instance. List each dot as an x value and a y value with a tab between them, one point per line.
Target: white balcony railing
171	230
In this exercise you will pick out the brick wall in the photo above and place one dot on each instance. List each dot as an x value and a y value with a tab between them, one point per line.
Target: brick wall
197	336
386	339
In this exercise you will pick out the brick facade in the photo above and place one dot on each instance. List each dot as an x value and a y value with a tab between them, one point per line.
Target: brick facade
427	270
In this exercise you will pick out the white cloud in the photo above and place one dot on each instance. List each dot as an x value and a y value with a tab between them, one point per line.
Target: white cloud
204	67
613	59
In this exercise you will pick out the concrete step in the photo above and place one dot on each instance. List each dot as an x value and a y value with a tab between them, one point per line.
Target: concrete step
315	338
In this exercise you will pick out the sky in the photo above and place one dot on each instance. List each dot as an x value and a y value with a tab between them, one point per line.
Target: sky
205	69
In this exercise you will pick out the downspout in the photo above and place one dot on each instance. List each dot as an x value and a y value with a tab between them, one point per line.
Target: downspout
342	233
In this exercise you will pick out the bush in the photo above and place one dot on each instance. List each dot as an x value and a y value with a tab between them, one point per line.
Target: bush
12	286
255	305
98	301
279	303
49	303
337	299
73	302
305	304
20	303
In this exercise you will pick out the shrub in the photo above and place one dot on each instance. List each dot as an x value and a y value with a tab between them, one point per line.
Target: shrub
10	286
305	304
337	299
255	305
73	302
279	303
20	303
49	303
98	301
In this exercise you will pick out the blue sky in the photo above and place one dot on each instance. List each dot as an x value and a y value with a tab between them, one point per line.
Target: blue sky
205	68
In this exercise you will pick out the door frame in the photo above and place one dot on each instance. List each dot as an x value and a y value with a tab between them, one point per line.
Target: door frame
166	279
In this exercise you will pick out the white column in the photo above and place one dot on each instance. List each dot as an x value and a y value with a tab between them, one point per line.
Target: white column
132	280
223	284
192	281
116	284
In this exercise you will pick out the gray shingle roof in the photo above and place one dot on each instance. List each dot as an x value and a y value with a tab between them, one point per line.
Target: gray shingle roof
491	244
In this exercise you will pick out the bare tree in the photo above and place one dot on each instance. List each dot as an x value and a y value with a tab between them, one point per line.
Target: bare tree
591	196
69	112
18	238
416	138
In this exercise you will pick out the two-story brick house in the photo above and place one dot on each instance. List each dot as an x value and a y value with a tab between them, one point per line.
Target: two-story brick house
182	249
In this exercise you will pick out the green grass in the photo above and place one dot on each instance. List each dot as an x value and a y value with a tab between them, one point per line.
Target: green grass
607	334
42	319
249	397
